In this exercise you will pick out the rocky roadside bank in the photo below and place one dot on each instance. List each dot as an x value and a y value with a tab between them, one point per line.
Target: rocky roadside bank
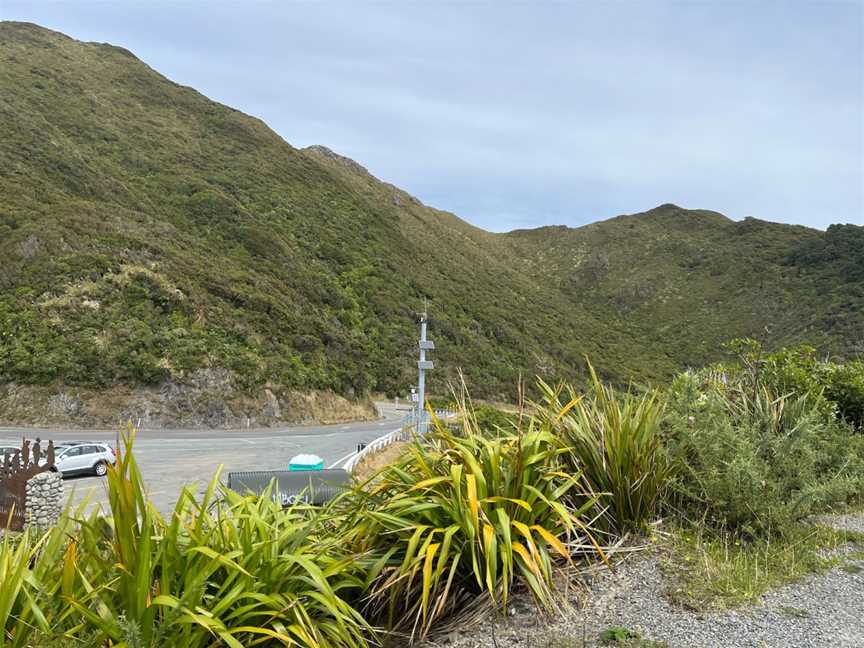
208	398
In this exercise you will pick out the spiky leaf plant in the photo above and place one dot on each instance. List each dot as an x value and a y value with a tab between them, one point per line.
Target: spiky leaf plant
234	571
468	513
612	437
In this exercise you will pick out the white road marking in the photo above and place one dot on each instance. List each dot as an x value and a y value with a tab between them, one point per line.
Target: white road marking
196	442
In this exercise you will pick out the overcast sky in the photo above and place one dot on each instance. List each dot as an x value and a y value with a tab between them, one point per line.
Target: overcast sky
522	114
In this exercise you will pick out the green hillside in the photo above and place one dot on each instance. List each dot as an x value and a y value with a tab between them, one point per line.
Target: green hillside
147	232
689	280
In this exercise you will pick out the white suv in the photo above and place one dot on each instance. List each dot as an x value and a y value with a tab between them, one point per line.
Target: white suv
84	458
7	450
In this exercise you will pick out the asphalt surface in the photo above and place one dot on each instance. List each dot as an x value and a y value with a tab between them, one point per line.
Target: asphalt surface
170	459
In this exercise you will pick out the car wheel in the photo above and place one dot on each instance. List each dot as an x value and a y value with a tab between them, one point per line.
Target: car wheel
101	469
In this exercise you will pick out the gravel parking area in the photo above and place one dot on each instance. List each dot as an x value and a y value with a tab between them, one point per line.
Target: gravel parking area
821	611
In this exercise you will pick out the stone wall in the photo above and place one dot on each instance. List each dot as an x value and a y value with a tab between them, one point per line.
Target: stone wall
44	499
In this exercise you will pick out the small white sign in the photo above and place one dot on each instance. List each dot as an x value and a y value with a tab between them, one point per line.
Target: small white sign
415	397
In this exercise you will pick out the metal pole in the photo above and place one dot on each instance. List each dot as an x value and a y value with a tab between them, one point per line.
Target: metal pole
423	365
421	385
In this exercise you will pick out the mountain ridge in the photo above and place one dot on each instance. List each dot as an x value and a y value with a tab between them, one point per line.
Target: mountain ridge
148	234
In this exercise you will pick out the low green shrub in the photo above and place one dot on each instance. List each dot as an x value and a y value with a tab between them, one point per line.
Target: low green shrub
753	461
844	385
836	386
626	638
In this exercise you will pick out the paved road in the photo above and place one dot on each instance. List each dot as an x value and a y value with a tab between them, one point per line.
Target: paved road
170	459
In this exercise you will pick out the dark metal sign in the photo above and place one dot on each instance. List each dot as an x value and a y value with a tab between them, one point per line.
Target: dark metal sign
309	486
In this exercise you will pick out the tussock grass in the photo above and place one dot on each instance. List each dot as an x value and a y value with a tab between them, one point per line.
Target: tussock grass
712	570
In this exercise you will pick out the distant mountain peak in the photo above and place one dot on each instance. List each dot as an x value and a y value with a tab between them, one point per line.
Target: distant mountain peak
665	207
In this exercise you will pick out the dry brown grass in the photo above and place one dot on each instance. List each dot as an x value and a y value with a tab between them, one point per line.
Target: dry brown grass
374	462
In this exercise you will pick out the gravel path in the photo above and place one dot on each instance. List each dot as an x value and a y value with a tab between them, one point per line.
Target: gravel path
854	523
821	611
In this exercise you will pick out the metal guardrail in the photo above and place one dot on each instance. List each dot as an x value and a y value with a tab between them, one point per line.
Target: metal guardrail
407	426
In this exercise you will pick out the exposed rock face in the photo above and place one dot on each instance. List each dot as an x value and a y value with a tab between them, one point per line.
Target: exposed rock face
271	408
44	499
29	247
341	159
207	398
65	405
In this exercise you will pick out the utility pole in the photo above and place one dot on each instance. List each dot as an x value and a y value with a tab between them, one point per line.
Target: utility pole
423	366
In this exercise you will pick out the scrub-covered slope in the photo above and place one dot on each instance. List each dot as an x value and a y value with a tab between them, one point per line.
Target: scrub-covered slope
167	254
689	280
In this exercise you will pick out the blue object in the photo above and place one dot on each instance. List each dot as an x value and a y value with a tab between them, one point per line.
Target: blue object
306	462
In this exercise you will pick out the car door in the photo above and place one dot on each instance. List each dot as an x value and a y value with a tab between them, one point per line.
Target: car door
72	460
89	456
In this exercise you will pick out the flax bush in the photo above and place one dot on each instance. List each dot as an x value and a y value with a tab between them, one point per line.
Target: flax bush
467	514
235	572
612	438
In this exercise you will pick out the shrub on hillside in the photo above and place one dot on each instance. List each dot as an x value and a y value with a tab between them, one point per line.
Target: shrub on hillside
488	417
485	417
753	460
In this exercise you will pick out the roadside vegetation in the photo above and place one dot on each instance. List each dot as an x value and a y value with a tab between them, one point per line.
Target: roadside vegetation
734	459
760	444
721	570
